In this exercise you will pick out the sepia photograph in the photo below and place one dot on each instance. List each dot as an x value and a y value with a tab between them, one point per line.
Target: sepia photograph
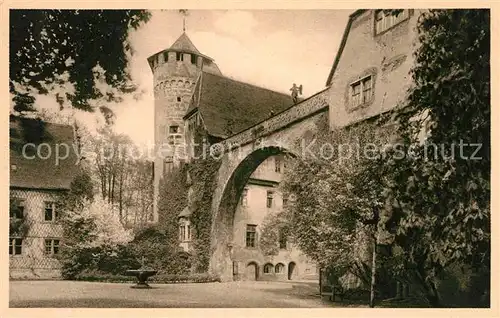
188	158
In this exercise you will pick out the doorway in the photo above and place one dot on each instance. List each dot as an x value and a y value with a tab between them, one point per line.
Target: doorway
252	271
291	271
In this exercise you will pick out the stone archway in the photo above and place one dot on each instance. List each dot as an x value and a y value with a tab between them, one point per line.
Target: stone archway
222	222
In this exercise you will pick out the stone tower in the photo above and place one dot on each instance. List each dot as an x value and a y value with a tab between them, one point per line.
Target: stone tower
175	73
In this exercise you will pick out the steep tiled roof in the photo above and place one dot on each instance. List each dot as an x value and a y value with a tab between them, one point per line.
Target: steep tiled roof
184	44
228	106
30	170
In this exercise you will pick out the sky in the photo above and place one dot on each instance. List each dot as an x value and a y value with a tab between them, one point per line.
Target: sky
267	48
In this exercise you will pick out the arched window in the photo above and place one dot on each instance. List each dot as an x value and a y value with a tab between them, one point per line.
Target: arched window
268	268
280	268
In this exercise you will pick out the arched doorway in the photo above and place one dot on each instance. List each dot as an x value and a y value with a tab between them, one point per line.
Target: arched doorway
291	271
252	271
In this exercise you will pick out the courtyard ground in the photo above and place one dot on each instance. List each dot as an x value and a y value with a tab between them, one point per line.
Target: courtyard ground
71	294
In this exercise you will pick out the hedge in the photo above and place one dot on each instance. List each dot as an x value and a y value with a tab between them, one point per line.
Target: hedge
156	279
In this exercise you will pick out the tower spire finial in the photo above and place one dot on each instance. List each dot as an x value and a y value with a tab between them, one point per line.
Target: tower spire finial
184	13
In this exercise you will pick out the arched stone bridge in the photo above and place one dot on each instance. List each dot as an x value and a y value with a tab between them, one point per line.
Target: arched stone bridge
241	154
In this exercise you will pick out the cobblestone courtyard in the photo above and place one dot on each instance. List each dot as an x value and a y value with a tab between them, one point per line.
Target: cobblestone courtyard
59	294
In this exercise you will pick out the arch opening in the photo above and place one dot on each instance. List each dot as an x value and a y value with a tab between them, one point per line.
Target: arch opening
223	220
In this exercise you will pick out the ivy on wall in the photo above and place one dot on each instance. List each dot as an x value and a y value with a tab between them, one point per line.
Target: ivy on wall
174	198
203	174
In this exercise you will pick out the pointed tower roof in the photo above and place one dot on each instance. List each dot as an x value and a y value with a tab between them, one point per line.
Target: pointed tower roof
183	43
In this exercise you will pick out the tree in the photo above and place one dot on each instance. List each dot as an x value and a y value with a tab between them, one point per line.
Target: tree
336	201
49	48
442	191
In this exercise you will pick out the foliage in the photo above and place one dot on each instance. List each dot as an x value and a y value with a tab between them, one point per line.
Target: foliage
336	200
18	227
273	227
49	48
443	194
123	180
156	279
93	238
159	252
203	174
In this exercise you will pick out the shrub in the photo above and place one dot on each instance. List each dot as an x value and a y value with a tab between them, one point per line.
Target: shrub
99	276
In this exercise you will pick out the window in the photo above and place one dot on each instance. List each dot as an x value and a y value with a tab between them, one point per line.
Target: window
51	214
182	232
279	268
269	202
277	164
168	165
282	240
285	201
244	197
17	210
173	129
178	98
165	57
185	231
178	56
361	91
193	59
251	235
15	246
52	246
268	268
386	19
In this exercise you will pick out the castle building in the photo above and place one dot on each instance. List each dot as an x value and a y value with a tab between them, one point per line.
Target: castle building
36	181
195	106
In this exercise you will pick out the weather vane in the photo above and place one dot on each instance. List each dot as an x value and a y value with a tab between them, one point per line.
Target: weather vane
184	13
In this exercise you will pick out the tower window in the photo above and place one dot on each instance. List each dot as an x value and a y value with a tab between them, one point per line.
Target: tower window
178	98
173	129
193	59
179	56
165	57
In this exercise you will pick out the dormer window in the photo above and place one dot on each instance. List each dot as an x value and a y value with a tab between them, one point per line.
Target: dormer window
386	19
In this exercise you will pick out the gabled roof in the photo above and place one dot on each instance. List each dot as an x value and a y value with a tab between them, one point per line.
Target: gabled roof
29	170
183	43
342	44
228	106
184	213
